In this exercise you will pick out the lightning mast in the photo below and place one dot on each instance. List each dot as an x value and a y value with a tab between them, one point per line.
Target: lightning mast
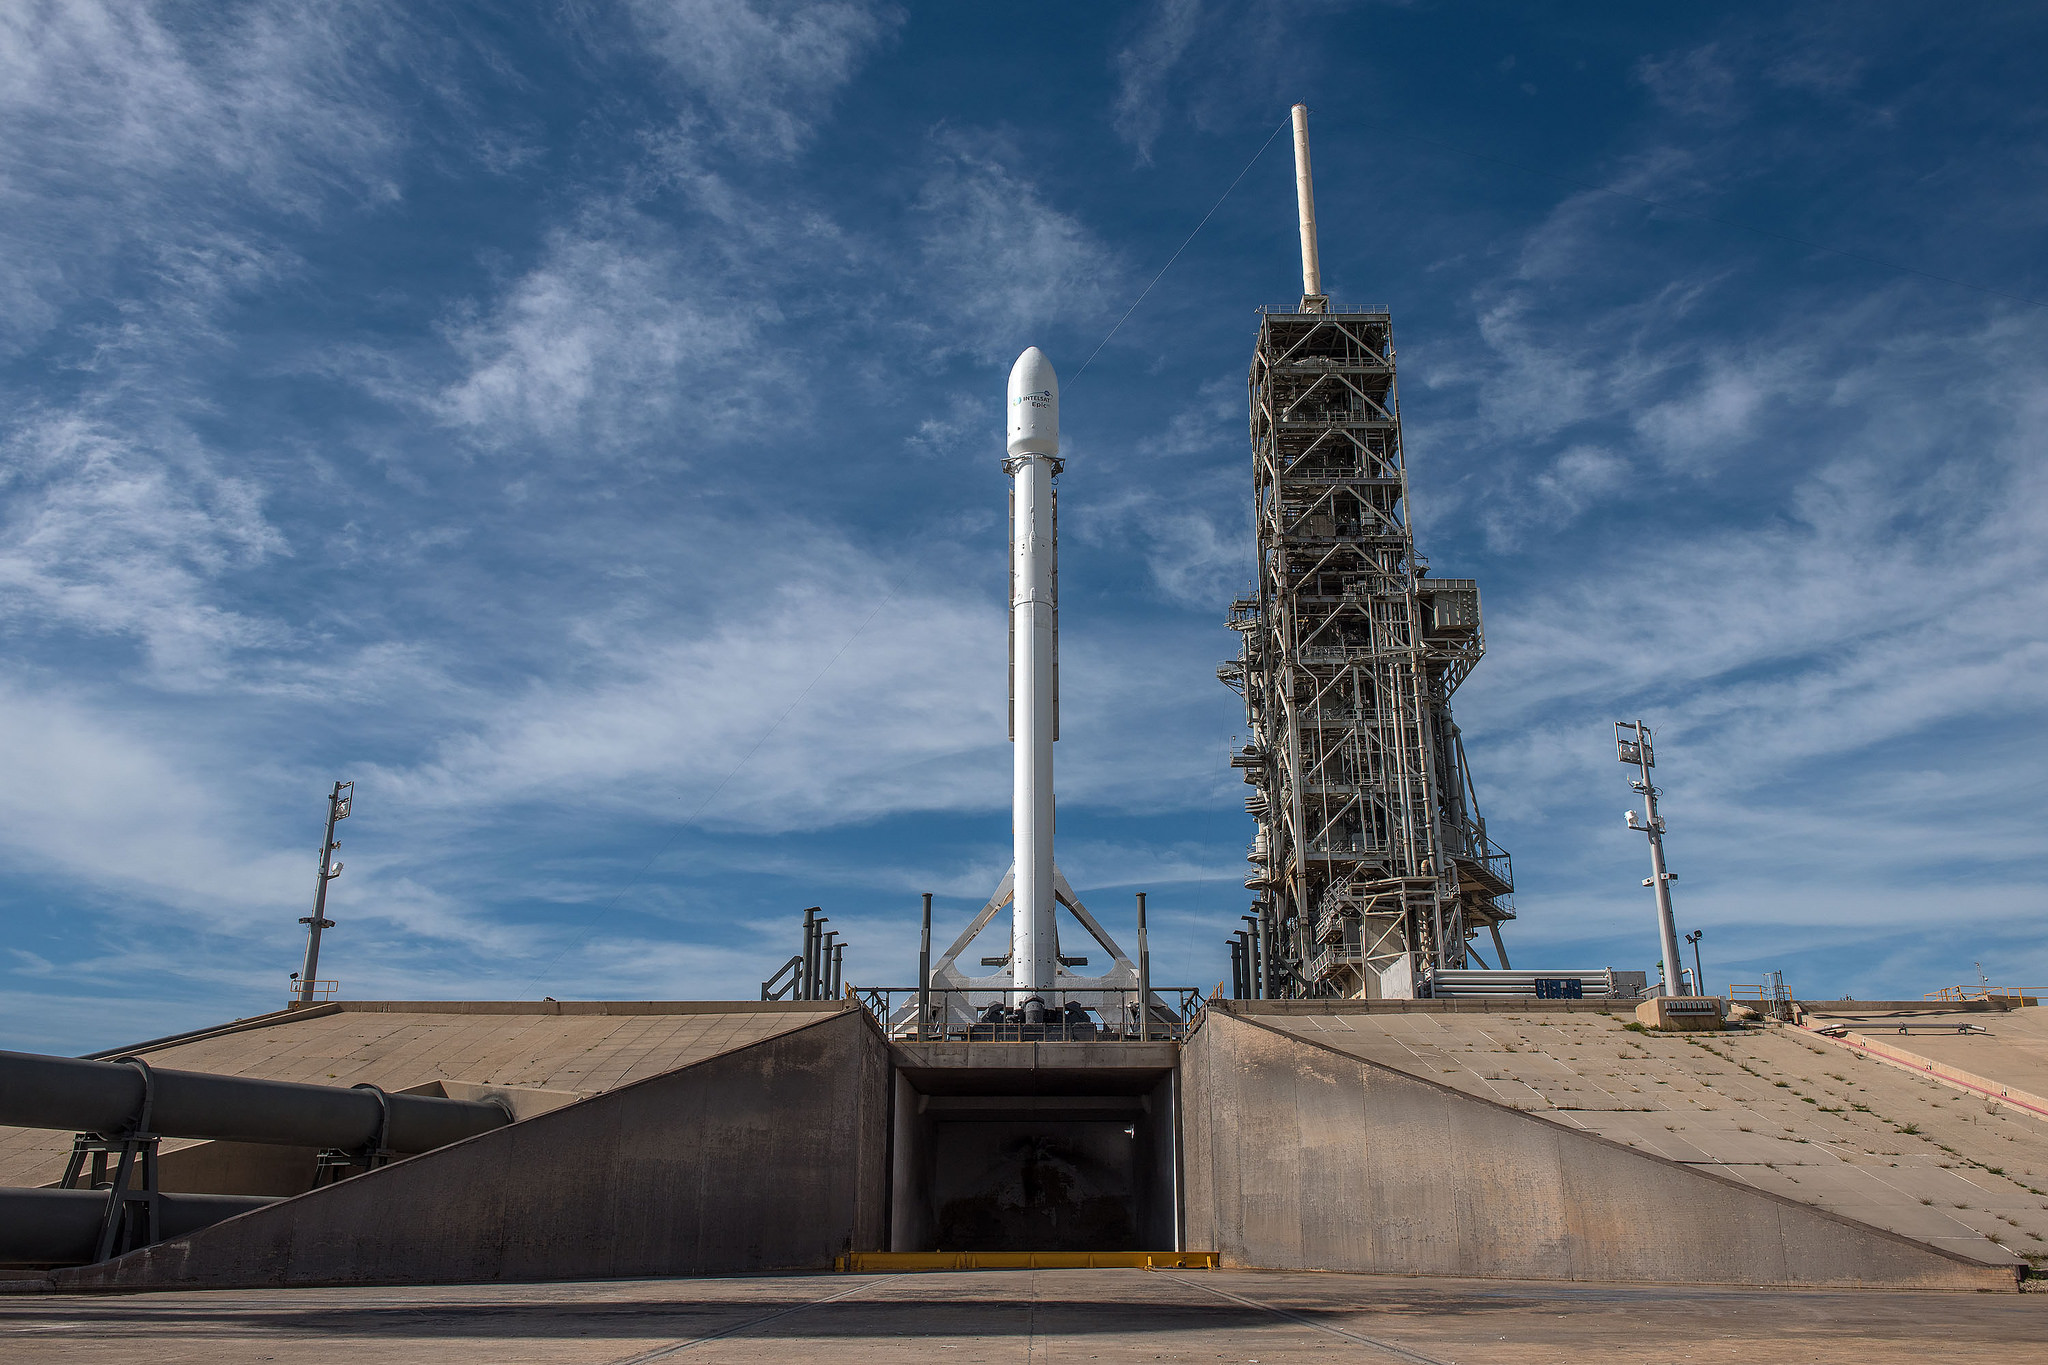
1371	863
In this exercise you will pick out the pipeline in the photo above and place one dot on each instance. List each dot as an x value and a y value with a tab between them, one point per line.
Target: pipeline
107	1098
61	1227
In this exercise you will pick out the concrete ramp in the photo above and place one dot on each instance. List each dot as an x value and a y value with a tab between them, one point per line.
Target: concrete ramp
769	1156
1299	1156
1775	1107
580	1047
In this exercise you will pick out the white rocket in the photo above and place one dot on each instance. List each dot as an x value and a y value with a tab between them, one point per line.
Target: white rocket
1034	450
1033	979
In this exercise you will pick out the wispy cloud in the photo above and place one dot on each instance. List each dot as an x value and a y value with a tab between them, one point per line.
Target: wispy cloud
109	534
127	134
763	71
996	256
1146	67
617	332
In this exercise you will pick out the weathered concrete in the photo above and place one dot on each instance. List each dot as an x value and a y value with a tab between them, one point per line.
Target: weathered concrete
1109	1317
766	1157
1103	1059
1775	1107
581	1047
2004	1055
1683	1013
1298	1156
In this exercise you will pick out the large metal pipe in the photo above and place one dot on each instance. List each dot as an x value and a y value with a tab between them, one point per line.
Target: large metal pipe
812	922
924	971
62	1227
77	1096
1144	977
1255	945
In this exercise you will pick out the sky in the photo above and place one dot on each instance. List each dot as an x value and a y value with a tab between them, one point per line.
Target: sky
580	426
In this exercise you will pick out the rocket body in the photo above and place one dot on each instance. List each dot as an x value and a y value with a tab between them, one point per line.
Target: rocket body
1034	445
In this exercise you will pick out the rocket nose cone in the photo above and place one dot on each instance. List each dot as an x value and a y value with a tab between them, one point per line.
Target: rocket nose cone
1034	405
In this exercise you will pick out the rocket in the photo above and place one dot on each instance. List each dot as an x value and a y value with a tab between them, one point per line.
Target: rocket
1034	448
1035	985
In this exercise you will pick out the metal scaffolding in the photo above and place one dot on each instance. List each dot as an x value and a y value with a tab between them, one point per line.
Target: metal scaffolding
1371	861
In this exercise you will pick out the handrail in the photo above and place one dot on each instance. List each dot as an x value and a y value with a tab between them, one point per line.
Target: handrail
1959	994
1074	1014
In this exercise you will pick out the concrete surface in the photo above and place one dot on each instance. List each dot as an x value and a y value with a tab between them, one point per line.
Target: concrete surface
1299	1156
1773	1107
1041	1317
765	1157
1683	1013
1100	1058
585	1047
2012	1050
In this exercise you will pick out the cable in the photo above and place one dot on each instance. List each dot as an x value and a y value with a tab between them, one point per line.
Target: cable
1176	255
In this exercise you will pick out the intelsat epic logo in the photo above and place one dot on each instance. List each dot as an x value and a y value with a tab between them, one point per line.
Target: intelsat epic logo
1038	398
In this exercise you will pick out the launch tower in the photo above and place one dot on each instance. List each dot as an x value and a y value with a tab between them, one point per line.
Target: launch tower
1371	862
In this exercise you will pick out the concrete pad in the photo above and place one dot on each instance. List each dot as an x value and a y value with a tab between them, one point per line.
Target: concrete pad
1116	1317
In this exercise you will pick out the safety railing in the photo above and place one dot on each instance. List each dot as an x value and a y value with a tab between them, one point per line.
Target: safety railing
322	990
1009	1015
1769	997
2013	996
1329	955
1327	308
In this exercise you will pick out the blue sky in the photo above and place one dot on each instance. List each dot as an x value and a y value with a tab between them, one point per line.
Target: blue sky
580	426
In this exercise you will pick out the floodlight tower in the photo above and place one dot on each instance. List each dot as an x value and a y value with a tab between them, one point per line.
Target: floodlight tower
1632	745
1371	863
339	802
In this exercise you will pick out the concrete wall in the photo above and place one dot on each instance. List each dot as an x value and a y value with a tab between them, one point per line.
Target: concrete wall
767	1157
911	1226
1158	1169
238	1168
1301	1157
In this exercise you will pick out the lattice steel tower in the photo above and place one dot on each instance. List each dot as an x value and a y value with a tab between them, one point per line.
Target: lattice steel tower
1371	860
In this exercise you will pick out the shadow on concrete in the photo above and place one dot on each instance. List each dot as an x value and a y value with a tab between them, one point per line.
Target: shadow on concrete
655	1324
